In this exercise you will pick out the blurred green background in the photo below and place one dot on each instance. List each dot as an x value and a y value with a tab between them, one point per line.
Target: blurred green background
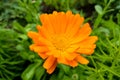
17	17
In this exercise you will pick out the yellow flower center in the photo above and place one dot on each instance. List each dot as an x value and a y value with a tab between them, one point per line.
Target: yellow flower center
60	42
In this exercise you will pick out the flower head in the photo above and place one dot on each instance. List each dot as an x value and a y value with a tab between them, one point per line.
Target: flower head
62	38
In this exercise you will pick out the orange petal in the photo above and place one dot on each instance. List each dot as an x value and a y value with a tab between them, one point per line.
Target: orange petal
72	48
43	55
44	41
62	60
33	35
69	23
55	53
70	56
63	23
45	33
90	40
68	13
55	12
83	33
87	46
38	39
85	51
41	49
37	48
46	22
52	68
73	28
82	60
73	63
42	31
57	20
32	47
49	62
38	28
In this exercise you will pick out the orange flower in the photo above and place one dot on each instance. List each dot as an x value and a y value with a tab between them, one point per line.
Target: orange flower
62	38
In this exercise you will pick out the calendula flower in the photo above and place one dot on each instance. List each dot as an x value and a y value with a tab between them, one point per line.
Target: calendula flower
62	38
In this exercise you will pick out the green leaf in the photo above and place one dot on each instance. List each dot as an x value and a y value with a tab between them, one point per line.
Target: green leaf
109	69
66	78
99	9
18	27
30	71
118	18
39	73
53	77
65	68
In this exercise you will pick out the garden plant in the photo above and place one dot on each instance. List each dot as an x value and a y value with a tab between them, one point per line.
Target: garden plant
59	39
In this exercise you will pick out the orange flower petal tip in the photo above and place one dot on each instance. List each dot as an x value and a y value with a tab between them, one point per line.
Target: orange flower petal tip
62	38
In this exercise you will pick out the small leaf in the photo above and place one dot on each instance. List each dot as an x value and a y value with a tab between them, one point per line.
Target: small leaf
66	78
65	68
18	27
99	9
39	73
118	18
30	71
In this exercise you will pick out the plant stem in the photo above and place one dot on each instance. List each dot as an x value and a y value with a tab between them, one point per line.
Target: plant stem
99	18
93	62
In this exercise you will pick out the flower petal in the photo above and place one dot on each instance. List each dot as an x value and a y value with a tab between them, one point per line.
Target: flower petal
73	63
52	68
85	51
33	35
54	53
41	49
87	46
90	40
70	56
43	55
72	48
49	62
82	60
83	33
46	22
73	28
38	39
62	60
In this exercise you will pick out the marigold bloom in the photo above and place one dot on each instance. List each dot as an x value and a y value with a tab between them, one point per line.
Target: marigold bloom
62	38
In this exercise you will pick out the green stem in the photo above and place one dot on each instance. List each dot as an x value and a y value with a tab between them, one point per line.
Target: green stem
99	18
108	69
86	67
111	43
117	56
67	5
101	50
110	76
93	62
101	76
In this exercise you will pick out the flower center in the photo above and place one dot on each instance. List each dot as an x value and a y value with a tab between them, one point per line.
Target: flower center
60	42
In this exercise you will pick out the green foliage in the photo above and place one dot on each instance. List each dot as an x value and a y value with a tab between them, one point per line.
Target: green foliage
10	61
17	17
33	71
